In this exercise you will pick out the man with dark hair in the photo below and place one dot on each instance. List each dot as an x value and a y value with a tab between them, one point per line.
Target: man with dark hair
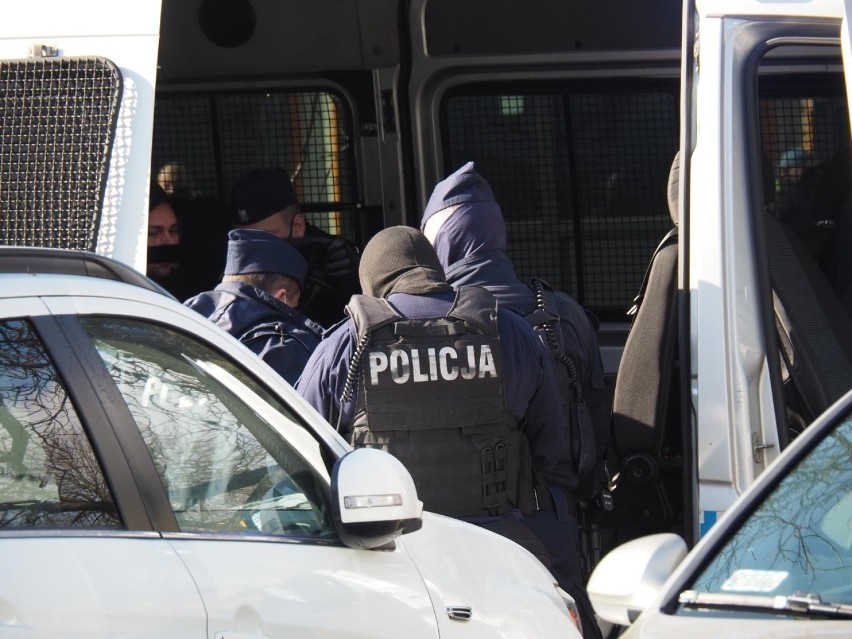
465	224
265	200
256	301
163	230
459	390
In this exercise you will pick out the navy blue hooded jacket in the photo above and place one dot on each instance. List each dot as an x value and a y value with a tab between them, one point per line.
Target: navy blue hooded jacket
465	225
279	334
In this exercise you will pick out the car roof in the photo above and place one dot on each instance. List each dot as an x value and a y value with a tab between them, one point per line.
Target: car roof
31	260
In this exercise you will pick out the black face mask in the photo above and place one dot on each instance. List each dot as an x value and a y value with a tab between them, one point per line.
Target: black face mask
166	253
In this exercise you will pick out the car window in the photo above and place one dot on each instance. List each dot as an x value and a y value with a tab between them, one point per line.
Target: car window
230	455
799	540
49	475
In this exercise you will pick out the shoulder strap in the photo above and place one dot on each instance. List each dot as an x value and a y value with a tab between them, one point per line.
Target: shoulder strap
476	306
370	313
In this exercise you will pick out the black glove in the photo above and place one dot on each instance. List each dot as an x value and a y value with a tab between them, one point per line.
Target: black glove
340	258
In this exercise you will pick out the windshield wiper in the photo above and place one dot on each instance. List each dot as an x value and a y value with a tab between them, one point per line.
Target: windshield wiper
799	603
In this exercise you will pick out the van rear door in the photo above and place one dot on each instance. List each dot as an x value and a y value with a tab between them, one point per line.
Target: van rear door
78	107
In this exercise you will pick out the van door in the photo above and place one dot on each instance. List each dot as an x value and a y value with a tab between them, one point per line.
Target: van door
770	335
78	106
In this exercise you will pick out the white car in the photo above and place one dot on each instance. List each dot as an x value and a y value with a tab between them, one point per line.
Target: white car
158	480
778	564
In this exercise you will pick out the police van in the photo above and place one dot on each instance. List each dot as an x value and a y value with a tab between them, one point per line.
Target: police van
678	169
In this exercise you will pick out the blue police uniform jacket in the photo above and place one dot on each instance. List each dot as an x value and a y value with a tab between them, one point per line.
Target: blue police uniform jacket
530	394
279	334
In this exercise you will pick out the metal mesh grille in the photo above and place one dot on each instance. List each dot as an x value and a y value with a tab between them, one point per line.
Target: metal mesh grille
800	137
581	178
203	144
57	121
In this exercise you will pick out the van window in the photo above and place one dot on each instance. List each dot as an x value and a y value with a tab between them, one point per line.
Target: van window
580	171
205	142
806	161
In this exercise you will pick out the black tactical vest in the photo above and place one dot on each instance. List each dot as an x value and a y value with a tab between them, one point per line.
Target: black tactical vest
430	392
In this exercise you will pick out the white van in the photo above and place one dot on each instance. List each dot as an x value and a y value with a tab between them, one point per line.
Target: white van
574	112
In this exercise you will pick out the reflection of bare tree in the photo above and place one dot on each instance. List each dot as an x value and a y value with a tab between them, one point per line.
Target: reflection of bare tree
196	442
49	476
786	534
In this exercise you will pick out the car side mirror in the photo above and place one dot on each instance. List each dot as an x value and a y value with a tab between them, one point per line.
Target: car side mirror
629	578
374	500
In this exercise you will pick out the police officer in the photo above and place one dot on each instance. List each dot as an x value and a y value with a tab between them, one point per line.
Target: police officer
265	200
465	224
459	390
257	298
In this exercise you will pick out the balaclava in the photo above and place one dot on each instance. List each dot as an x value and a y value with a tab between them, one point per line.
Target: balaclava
400	259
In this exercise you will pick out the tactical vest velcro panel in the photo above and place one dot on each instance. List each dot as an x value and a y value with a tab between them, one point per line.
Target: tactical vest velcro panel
431	393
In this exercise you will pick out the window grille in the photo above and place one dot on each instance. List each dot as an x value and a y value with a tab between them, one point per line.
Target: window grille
57	124
204	143
580	173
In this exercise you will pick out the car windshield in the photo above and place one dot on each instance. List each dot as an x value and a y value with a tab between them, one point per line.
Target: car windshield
799	540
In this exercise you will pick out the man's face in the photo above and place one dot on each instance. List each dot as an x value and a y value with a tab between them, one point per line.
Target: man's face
162	230
286	223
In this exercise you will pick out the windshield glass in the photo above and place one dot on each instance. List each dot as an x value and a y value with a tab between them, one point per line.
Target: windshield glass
800	538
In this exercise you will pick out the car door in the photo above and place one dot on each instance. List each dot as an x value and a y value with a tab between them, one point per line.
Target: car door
248	488
77	558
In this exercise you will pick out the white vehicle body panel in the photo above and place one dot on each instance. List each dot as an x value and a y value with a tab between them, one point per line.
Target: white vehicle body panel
276	588
729	361
509	594
128	35
119	587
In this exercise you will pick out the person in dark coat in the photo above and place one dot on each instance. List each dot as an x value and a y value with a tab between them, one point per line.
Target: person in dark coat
265	200
465	224
257	298
375	388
